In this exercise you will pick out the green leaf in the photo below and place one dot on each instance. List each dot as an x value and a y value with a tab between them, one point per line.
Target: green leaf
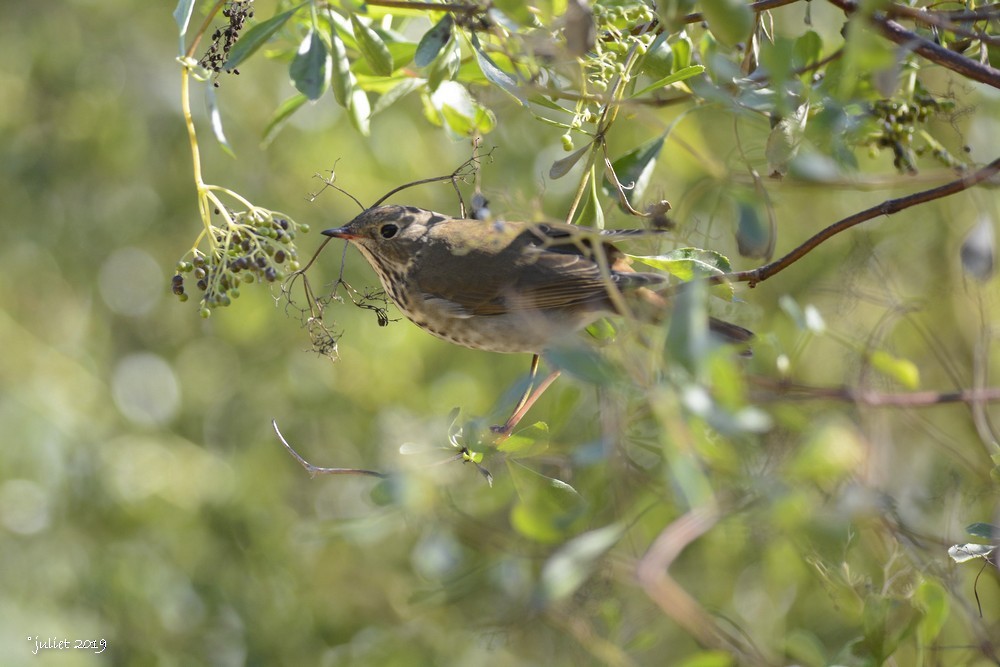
494	74
932	599
527	442
215	120
687	337
341	79
547	508
310	69
717	658
754	234
730	21
903	371
574	562
257	36
582	362
682	53
456	107
281	114
984	530
680	75
689	263
659	59
372	48
360	111
433	41
808	49
182	15
562	167
633	170
405	86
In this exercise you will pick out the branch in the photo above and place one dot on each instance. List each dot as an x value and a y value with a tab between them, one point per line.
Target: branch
888	207
917	399
926	48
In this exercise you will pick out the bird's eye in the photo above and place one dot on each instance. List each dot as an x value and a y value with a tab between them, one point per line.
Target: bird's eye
388	230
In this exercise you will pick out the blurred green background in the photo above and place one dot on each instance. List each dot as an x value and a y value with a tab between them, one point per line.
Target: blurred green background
144	499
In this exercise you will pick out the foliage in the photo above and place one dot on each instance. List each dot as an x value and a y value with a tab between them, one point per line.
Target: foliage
666	501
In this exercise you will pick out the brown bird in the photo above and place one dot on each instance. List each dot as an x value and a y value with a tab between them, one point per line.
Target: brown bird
504	286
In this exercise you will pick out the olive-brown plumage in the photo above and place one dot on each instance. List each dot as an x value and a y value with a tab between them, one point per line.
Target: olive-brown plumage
498	286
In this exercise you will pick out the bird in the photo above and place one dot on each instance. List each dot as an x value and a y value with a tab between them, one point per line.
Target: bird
504	286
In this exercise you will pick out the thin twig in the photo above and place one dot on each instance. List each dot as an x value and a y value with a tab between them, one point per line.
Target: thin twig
916	399
316	470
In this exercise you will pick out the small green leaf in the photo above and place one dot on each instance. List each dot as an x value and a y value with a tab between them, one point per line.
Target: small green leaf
360	111
527	442
257	36
406	86
634	170
494	74
932	599
281	114
689	263
754	234
730	21
215	119
456	107
808	49
433	41
562	167
310	69
182	15
903	371
582	362
372	48
547	508
680	75
659	59
341	79
574	562
687	337
984	530
682	53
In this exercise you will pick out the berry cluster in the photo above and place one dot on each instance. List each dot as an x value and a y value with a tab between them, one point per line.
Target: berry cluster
255	246
223	38
899	126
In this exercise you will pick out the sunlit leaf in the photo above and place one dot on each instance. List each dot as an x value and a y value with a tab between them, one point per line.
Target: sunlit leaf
784	140
341	79
659	59
526	442
433	41
257	36
574	562
215	119
406	86
961	553
729	20
281	114
903	371
372	48
456	107
680	75
360	111
182	15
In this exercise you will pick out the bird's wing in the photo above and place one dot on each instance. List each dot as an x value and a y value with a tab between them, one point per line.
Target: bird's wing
515	266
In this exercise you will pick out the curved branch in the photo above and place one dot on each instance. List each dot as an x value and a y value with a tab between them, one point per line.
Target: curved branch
888	207
926	48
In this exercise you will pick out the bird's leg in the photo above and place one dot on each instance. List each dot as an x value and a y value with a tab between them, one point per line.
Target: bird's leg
527	400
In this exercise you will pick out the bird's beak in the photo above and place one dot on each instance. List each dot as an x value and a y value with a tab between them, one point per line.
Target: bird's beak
340	233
